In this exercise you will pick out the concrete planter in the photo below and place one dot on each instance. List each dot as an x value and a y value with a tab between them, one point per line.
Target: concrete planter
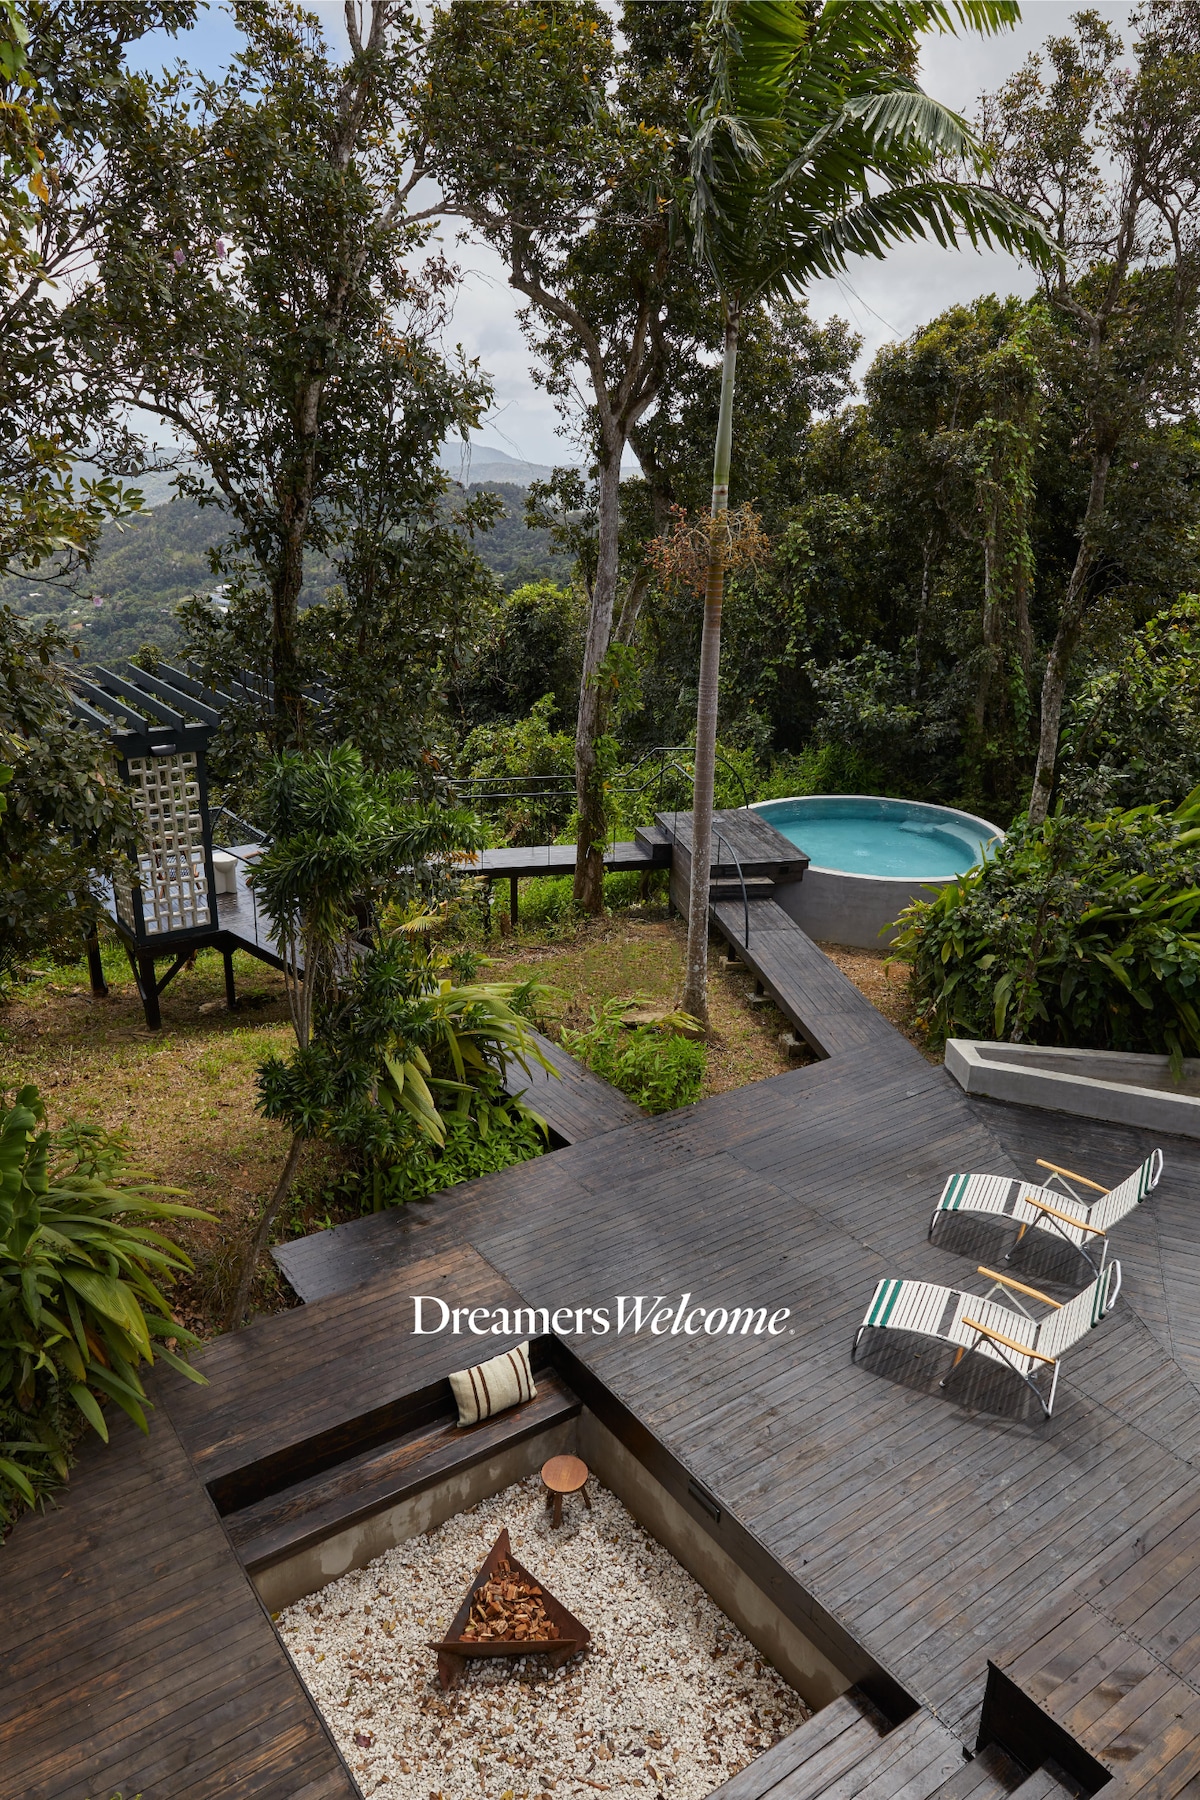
1124	1089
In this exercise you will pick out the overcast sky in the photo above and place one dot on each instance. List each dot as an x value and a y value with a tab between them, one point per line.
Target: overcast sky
882	300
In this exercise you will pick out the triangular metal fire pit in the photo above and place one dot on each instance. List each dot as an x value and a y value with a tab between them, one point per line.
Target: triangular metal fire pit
454	1649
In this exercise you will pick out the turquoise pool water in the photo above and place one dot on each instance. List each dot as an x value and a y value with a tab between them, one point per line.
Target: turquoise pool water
895	839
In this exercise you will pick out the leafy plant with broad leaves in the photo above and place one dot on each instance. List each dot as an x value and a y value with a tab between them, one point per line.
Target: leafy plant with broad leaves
1083	932
82	1269
653	1064
387	1048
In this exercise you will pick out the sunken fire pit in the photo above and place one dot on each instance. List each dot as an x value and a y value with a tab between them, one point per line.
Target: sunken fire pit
667	1699
508	1613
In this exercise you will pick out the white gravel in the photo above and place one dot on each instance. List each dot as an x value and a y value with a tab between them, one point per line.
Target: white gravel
672	1711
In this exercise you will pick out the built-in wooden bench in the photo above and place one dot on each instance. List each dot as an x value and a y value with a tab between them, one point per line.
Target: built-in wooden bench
295	1518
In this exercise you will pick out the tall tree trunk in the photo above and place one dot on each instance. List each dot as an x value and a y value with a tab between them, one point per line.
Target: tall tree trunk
1066	642
992	624
295	508
922	607
695	990
270	1212
285	597
593	694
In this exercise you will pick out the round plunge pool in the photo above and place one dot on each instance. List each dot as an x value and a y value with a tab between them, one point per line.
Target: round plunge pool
869	857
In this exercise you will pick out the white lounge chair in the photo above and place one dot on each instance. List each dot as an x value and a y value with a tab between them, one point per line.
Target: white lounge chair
1055	1208
1005	1332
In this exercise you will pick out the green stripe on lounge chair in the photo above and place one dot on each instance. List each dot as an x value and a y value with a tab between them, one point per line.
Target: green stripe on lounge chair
885	1299
1100	1297
955	1193
1144	1179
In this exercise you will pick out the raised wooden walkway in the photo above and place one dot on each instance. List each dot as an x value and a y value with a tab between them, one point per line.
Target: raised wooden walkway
928	1537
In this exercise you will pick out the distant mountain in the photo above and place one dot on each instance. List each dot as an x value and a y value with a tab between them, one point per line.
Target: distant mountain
143	568
482	464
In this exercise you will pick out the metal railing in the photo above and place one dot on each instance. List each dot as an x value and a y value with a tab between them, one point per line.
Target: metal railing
551	791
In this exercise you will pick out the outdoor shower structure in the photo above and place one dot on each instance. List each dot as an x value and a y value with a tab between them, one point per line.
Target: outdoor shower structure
182	895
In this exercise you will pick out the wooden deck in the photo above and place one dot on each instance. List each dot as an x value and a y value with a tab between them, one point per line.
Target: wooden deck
937	1536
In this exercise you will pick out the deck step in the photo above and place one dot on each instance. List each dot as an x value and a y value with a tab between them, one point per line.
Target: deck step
654	838
1047	1783
728	887
840	1755
992	1775
297	1517
826	1745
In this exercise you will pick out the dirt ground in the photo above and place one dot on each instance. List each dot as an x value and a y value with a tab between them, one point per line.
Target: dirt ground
184	1096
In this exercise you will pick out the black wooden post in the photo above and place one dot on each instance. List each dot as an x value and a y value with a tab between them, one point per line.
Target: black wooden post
148	989
230	990
512	900
95	966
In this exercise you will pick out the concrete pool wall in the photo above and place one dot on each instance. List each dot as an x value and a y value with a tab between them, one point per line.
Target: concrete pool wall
837	907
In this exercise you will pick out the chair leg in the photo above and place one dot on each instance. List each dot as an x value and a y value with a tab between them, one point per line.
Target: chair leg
587	1498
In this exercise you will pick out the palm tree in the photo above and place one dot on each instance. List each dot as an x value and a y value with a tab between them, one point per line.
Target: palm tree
814	145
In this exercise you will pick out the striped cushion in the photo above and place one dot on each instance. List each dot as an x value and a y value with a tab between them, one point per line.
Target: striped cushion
492	1387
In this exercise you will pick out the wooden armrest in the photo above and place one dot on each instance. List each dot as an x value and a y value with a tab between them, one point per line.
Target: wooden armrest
1012	1343
1081	1179
1033	1293
1067	1218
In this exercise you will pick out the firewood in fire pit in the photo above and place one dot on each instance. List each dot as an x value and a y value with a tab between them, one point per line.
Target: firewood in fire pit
507	1607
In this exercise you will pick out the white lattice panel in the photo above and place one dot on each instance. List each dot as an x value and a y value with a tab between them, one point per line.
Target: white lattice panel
166	798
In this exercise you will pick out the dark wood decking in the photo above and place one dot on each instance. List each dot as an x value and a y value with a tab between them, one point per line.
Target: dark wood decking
559	859
136	1657
934	1533
741	840
821	1002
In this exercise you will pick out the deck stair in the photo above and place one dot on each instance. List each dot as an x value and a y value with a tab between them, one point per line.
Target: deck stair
655	840
848	1751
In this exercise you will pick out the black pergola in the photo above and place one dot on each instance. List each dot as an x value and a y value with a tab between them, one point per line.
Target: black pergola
179	899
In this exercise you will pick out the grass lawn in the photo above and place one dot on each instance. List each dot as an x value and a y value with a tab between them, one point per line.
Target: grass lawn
641	951
184	1096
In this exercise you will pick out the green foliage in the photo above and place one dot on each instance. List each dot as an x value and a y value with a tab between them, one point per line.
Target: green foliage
1083	933
416	1173
343	841
1133	728
66	98
520	760
407	1072
531	650
82	1267
655	1066
390	1054
68	821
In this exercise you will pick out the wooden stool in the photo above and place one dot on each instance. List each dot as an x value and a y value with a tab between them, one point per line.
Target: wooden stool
564	1475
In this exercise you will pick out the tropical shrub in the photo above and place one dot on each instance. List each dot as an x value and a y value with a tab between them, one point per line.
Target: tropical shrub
653	1064
1082	932
1132	730
408	1075
68	822
81	1304
530	769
